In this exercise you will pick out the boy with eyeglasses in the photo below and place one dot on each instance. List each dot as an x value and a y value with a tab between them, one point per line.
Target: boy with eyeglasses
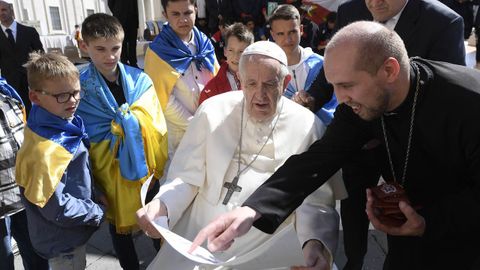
52	167
125	123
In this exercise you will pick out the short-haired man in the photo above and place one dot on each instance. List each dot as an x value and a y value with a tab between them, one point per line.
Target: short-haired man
180	61
235	141
426	113
17	41
303	64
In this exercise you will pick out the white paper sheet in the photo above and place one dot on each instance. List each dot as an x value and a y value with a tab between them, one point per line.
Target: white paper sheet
180	244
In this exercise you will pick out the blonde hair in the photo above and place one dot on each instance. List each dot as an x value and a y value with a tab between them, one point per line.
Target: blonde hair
49	66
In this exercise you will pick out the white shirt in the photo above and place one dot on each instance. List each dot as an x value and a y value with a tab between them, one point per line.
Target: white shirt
183	101
208	157
231	81
392	22
12	27
299	71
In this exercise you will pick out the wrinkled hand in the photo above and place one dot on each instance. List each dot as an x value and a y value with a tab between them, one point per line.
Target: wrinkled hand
149	212
222	231
305	99
314	255
414	226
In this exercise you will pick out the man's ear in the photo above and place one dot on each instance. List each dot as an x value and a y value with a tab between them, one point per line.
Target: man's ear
391	67
301	29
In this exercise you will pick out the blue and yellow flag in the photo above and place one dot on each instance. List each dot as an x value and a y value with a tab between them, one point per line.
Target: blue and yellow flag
168	57
50	143
128	141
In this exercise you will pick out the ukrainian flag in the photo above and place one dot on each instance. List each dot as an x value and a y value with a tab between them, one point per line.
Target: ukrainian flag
167	58
50	143
128	141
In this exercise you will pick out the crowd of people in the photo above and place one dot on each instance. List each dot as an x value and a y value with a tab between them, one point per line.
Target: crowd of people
243	117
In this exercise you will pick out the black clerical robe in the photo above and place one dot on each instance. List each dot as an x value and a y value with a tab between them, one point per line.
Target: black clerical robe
443	175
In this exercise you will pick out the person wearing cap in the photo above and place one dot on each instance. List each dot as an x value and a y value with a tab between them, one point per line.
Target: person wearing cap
234	142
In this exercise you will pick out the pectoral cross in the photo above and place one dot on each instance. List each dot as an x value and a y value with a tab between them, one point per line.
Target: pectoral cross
231	187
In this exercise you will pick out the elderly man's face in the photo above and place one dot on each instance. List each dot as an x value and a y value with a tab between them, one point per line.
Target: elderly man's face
6	13
365	94
384	10
262	86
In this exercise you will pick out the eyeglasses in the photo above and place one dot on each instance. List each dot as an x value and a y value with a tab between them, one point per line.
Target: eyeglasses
64	97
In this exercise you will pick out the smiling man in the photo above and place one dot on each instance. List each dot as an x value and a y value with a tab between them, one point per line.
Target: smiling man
426	113
180	61
235	141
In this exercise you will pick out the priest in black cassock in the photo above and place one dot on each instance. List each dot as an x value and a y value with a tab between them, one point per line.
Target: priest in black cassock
426	114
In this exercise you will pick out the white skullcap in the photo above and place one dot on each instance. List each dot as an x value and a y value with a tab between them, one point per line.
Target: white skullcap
267	48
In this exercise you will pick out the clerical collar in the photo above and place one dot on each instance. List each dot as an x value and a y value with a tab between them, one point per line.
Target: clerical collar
405	106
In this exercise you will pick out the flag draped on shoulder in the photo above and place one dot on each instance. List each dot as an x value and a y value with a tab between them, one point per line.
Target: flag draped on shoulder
50	143
128	141
167	58
8	90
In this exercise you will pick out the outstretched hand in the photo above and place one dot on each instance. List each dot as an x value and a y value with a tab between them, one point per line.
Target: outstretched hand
414	226
222	231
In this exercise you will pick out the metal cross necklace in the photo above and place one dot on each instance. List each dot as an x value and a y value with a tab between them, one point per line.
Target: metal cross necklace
233	186
410	135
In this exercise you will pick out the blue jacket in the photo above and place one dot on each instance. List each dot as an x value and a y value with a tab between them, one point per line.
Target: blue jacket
70	216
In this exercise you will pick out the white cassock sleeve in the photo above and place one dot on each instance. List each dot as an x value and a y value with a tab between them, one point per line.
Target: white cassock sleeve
316	218
187	171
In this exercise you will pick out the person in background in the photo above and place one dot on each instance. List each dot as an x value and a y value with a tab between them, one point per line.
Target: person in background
126	11
310	30
77	35
180	61
126	127
13	220
17	41
218	10
303	64
325	33
237	37
257	31
218	41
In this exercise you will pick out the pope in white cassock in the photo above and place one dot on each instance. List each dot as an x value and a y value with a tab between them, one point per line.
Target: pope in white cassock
234	143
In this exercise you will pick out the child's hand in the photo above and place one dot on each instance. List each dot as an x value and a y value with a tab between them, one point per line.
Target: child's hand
102	199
